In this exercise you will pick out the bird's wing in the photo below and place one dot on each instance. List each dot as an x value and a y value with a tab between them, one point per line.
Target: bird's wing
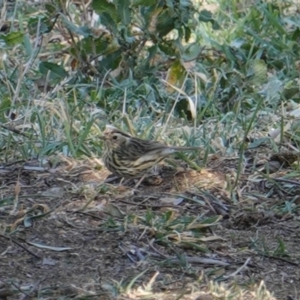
137	148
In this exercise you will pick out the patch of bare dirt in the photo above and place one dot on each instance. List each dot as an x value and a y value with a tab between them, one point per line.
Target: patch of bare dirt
66	234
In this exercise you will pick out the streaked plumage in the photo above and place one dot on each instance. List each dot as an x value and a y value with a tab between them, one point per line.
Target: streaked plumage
131	157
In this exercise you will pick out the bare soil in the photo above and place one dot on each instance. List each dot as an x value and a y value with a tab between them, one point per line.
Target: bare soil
64	234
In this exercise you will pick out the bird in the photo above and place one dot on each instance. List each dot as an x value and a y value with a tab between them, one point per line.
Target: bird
130	157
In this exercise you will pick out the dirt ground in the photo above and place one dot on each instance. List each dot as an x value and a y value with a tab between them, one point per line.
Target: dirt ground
64	234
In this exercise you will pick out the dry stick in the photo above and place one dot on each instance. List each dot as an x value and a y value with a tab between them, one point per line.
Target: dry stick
239	269
4	10
277	180
13	163
17	192
200	260
13	284
286	181
148	286
17	243
279	258
190	259
196	103
34	289
84	213
156	250
16	131
148	205
124	103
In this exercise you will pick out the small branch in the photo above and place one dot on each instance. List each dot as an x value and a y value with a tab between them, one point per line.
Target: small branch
20	245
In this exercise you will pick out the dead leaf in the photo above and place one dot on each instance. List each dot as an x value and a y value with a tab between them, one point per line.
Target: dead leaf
114	211
49	261
171	200
42	246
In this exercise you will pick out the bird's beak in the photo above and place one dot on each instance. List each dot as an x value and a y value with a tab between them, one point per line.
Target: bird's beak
103	137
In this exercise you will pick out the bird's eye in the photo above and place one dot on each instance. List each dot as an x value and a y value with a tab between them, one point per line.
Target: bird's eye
115	137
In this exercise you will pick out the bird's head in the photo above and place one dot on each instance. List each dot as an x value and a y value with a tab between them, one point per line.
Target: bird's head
114	138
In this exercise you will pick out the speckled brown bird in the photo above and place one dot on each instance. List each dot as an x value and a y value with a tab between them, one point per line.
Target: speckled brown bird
131	157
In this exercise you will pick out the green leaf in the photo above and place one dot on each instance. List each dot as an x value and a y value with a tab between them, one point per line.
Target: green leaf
28	45
274	20
102	6
50	8
187	33
170	4
124	11
185	3
42	126
258	72
13	38
167	48
192	52
41	23
258	142
98	46
126	35
83	135
175	75
109	22
165	24
205	16
5	106
290	92
84	30
56	71
144	2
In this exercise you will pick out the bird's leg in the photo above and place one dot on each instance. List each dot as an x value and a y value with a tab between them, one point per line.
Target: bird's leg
140	181
123	178
107	180
153	171
125	181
